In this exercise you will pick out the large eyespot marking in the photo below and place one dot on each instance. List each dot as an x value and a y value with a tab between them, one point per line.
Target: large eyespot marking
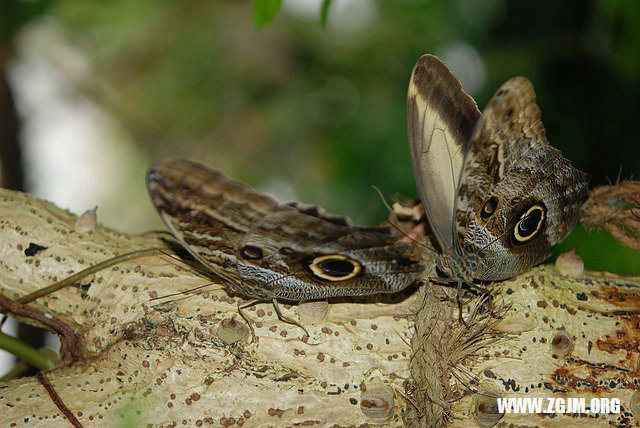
250	252
335	267
529	224
489	208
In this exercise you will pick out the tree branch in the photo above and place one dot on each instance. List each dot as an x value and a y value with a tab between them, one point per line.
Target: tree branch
162	361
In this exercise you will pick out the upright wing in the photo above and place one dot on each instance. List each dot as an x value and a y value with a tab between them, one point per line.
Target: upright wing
509	130
518	194
440	120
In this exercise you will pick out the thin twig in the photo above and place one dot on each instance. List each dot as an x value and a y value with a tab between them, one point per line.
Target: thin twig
85	272
57	401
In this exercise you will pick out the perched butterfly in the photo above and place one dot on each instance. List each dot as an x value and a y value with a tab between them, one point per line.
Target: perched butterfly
265	250
497	195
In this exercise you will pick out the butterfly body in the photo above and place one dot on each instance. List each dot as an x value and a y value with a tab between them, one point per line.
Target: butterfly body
496	193
461	268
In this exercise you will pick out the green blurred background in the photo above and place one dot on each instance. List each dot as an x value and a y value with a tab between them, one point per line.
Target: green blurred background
309	106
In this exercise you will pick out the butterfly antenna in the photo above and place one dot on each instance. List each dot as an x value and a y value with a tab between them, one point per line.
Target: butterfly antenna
383	199
192	269
410	238
492	241
457	243
392	224
619	175
185	292
195	270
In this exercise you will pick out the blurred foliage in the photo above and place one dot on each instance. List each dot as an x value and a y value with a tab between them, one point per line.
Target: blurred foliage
323	109
324	12
264	11
14	15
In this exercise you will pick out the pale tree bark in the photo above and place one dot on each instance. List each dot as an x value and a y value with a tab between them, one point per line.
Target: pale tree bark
161	361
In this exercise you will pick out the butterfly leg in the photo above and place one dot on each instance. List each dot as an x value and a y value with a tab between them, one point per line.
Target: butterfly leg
246	318
477	288
460	317
287	319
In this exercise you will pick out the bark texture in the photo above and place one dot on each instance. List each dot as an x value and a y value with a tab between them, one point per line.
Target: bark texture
163	362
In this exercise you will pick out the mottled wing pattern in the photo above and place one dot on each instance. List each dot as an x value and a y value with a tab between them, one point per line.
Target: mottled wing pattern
440	118
303	257
269	250
206	212
509	168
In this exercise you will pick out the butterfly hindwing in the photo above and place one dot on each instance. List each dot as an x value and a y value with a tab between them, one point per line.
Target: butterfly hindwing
518	195
307	257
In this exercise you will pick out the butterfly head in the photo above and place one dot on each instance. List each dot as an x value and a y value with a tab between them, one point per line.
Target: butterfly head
460	268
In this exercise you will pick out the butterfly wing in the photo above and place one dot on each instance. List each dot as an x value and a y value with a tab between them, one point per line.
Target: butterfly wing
440	119
302	257
517	194
206	212
264	249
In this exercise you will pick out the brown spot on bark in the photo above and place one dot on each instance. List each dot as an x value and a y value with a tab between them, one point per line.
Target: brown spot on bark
275	412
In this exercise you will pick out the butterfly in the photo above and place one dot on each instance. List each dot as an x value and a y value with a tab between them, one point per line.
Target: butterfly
497	195
265	250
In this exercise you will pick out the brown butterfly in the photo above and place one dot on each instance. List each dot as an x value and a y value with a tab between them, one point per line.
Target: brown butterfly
266	250
496	193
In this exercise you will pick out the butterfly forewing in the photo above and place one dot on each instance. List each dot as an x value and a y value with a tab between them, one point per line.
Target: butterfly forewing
207	213
440	118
